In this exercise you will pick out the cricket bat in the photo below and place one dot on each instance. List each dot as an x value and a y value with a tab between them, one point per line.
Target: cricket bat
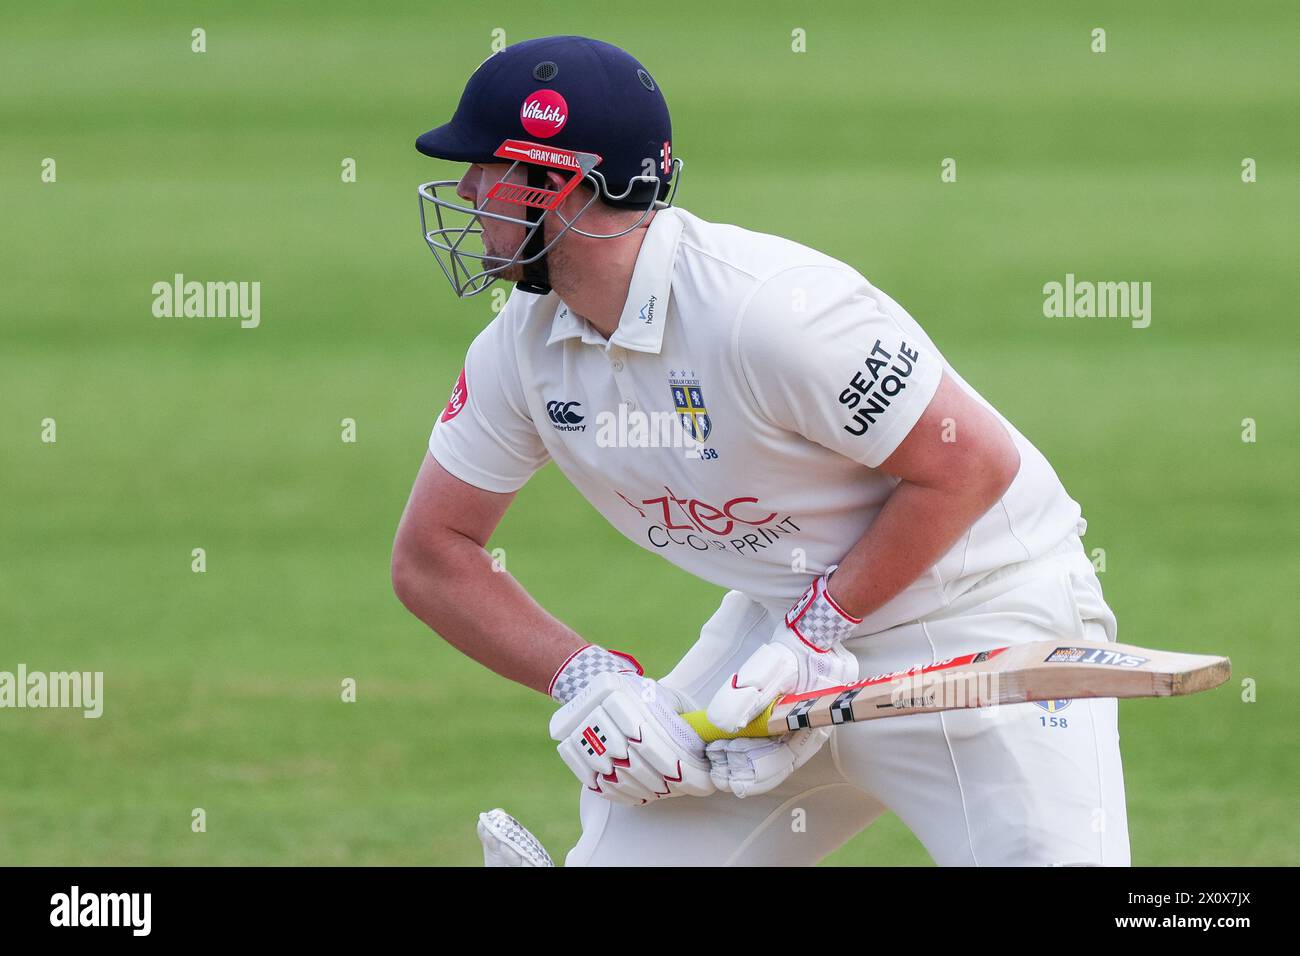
1042	670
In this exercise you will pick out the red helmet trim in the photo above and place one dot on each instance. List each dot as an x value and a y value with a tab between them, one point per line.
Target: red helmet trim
551	157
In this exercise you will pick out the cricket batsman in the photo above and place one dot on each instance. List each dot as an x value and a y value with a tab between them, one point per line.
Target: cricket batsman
766	419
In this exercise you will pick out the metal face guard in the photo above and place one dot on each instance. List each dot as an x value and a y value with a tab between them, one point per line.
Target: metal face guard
458	248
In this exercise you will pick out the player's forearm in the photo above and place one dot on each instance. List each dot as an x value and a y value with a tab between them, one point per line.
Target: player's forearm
914	529
484	613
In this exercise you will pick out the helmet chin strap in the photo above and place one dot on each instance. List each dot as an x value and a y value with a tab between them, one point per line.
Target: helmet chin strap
536	276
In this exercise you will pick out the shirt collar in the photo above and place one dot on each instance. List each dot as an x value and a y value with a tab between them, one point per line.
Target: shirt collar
641	326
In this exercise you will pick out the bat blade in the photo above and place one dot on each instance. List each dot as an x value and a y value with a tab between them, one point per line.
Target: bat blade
1042	670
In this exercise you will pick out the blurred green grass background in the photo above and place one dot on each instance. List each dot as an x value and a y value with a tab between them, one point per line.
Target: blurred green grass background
222	689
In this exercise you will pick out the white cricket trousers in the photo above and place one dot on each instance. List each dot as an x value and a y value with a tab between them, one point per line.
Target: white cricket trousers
1016	785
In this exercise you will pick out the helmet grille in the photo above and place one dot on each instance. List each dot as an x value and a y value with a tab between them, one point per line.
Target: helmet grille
545	71
644	77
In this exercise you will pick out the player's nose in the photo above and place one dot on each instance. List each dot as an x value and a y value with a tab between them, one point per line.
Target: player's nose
467	188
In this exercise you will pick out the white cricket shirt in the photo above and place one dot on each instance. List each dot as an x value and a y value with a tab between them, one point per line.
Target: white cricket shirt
735	421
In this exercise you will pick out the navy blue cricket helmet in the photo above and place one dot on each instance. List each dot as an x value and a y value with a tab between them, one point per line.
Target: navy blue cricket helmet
564	102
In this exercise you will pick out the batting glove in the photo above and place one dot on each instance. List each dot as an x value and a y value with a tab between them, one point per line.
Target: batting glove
622	739
805	654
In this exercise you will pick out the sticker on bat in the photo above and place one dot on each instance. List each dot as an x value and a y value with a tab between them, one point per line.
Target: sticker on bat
798	718
842	707
1092	655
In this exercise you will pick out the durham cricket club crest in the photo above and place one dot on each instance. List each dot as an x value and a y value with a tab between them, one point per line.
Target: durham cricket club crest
688	403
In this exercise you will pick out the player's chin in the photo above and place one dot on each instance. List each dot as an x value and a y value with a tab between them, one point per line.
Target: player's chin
511	273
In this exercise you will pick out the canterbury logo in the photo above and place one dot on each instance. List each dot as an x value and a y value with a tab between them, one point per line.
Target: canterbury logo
562	413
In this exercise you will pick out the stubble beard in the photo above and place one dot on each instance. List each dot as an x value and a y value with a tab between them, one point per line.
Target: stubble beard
557	259
497	257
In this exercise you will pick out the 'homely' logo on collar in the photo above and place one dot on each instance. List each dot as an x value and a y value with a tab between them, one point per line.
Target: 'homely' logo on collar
648	311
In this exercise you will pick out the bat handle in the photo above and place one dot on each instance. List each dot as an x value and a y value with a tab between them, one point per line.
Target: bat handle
755	728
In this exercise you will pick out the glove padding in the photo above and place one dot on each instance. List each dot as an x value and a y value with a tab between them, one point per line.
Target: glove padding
785	665
749	766
622	739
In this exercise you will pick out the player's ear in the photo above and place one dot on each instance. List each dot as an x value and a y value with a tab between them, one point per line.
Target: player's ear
576	201
557	179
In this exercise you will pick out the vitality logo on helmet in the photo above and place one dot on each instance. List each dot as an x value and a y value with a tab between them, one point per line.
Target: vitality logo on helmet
544	113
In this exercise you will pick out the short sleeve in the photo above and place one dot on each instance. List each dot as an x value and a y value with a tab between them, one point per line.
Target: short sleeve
484	436
828	357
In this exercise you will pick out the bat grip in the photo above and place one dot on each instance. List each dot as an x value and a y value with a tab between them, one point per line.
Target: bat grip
709	733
